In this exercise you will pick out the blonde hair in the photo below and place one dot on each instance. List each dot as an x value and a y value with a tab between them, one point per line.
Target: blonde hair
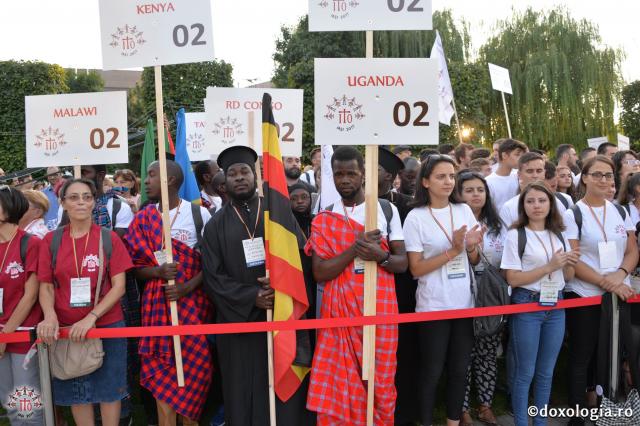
38	199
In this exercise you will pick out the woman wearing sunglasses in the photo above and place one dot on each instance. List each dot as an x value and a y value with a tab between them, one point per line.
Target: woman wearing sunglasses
609	252
472	189
536	274
625	163
442	237
68	298
126	186
18	307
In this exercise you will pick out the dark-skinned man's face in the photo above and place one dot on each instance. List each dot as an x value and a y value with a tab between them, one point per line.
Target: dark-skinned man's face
240	181
408	181
300	201
348	178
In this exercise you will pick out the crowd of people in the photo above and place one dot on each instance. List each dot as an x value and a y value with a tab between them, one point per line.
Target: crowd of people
87	253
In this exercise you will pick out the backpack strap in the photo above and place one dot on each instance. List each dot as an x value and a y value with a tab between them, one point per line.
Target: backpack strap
388	213
627	207
197	221
563	200
561	238
54	247
117	204
622	211
522	241
107	247
24	245
577	215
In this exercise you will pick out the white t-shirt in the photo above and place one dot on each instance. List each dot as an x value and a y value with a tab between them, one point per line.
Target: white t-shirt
576	179
566	197
492	247
436	291
214	200
123	218
616	229
509	212
184	229
635	214
357	215
502	188
534	255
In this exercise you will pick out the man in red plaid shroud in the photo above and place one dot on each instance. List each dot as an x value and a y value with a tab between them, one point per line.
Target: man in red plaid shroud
145	243
339	247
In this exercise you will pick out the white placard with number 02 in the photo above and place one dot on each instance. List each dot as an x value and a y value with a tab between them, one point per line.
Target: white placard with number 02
76	129
140	33
376	101
375	15
227	118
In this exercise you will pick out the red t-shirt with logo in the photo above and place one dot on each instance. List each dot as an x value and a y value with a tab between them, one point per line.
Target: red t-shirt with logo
13	277
87	261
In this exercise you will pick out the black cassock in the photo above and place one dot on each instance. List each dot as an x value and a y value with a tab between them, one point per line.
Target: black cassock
233	288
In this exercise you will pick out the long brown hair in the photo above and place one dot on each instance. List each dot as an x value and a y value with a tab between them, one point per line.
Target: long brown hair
553	221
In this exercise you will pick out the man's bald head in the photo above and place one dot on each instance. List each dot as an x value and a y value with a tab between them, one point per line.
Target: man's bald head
175	176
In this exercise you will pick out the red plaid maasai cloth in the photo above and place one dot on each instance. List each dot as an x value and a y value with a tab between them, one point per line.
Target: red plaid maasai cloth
336	389
158	371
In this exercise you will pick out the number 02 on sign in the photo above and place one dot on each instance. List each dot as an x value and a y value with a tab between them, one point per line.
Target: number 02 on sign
376	101
76	129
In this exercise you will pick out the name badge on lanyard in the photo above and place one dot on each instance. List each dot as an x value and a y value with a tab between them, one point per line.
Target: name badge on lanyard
549	291
358	266
456	268
161	257
1	301
80	292
254	253
607	253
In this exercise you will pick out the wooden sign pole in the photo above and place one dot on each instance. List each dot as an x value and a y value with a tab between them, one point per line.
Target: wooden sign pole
77	172
371	268
272	388
506	114
166	228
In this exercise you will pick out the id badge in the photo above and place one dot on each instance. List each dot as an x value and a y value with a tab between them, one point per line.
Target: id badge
161	257
456	268
548	291
1	301
254	252
607	253
358	266
80	292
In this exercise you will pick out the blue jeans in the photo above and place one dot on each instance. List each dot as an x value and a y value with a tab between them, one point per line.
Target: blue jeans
536	339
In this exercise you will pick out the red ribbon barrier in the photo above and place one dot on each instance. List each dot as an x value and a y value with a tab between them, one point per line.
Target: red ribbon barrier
258	327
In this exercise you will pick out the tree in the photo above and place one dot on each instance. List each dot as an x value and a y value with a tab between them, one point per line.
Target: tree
84	82
630	117
296	48
565	85
17	80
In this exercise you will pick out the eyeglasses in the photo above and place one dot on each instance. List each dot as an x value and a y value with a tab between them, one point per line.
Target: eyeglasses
632	162
600	175
74	198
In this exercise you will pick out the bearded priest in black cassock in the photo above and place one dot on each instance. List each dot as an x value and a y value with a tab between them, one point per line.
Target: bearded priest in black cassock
234	279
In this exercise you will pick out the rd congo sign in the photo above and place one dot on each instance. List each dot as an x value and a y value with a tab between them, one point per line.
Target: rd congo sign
376	102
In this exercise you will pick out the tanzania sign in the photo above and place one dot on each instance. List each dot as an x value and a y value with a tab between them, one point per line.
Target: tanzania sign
140	33
227	118
361	15
376	101
76	129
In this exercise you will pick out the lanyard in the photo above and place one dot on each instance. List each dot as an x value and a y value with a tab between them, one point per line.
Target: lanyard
604	219
545	247
251	236
446	234
4	258
172	222
347	214
75	255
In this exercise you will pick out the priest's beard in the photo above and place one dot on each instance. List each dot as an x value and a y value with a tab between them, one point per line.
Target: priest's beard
243	196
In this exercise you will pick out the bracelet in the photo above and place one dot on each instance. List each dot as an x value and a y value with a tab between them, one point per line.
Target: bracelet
446	253
625	271
94	314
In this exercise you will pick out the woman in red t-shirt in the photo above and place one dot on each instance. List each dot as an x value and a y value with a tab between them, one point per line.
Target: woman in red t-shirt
18	308
67	297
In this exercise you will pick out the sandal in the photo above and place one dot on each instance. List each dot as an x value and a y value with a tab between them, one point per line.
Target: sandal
486	416
466	419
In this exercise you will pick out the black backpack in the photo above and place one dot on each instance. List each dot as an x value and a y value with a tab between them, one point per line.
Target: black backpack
107	246
491	290
198	222
522	241
24	245
577	215
562	200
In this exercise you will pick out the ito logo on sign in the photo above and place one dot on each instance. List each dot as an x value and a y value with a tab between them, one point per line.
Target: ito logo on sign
49	140
127	39
345	112
339	9
25	401
227	129
196	142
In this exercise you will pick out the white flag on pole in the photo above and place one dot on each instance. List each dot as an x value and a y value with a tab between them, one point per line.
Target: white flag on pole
328	192
445	92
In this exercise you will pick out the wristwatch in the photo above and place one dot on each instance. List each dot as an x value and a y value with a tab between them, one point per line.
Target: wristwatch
385	262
